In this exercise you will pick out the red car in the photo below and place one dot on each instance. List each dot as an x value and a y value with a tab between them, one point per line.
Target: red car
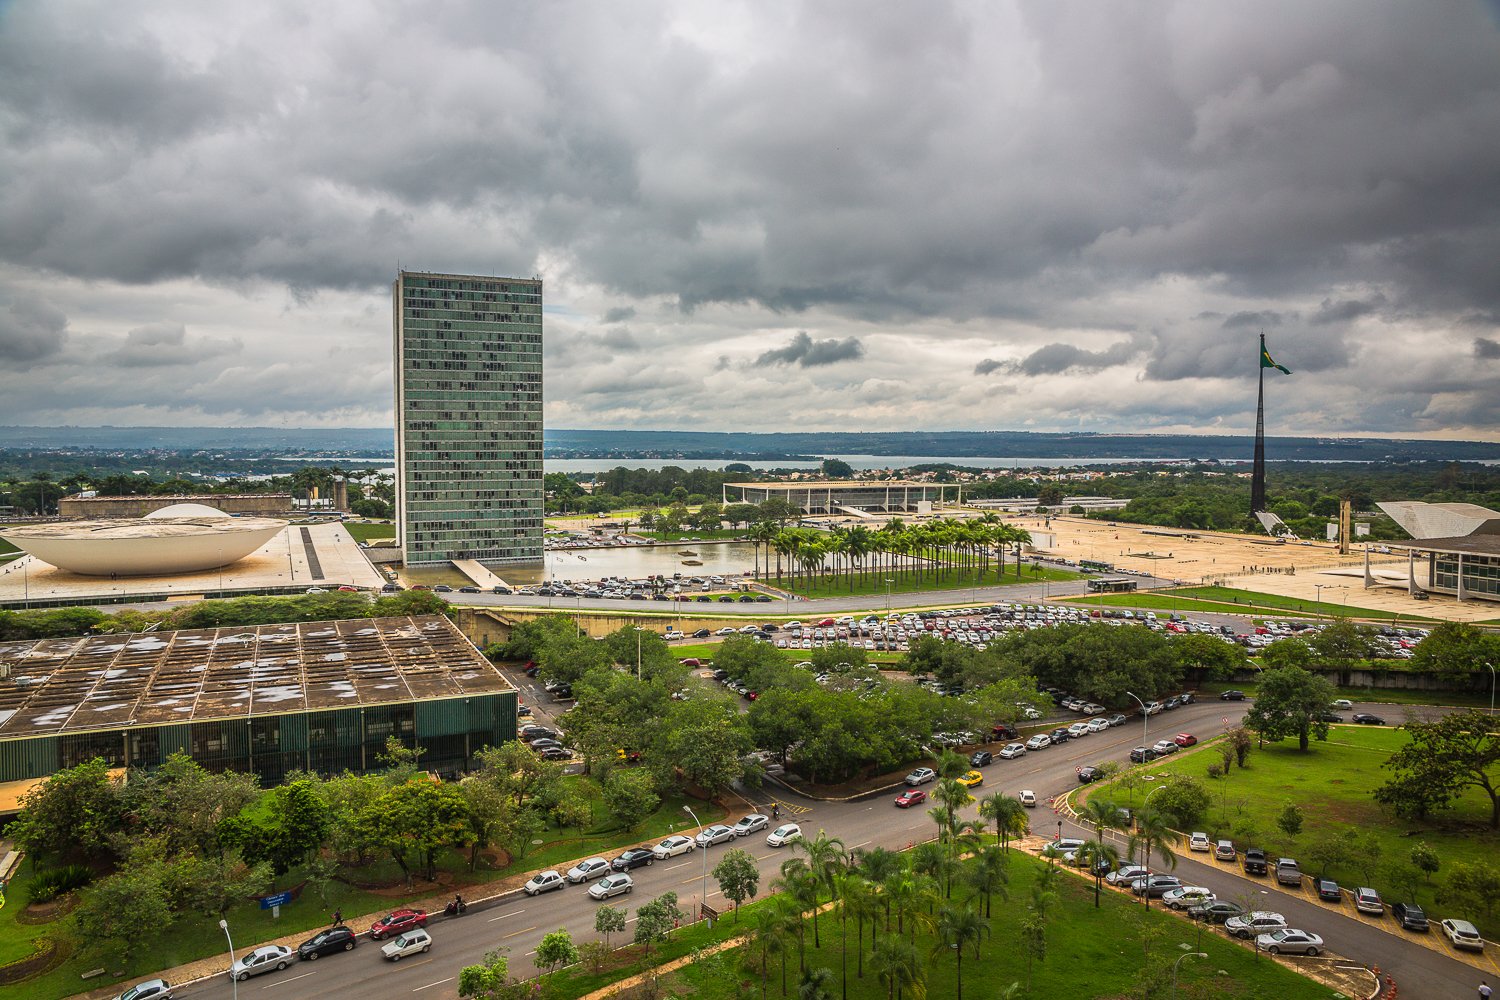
395	923
1185	739
910	797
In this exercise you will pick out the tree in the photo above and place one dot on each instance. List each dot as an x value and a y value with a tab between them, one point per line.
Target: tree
1008	815
1209	654
1152	832
1183	800
1424	859
485	981
1330	849
283	829
73	814
1291	702
1455	649
418	817
738	877
1472	886
837	468
556	949
630	797
1239	739
609	920
213	884
1445	757
490	809
656	919
705	740
897	964
127	912
1341	644
957	928
987	874
184	802
1282	653
1289	820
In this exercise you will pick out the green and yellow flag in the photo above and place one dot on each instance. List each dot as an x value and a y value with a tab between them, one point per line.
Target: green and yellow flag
1266	362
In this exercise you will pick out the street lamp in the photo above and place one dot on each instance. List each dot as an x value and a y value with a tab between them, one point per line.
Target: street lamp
703	888
1318	587
1145	718
888	594
1191	954
1492	687
224	926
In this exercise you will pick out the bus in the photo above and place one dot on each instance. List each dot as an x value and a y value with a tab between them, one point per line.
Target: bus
1095	566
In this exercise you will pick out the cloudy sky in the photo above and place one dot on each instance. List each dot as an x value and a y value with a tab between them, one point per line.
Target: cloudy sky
769	215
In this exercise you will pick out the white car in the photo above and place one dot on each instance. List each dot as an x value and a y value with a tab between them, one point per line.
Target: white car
750	824
1012	750
1187	895
716	834
262	959
673	846
544	882
784	834
151	989
672	633
1078	730
611	885
407	943
1199	842
1028	798
1342	705
1040	741
1098	725
588	869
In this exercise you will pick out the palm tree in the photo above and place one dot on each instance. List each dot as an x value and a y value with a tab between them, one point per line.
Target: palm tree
897	964
860	901
1008	814
815	984
880	866
771	935
1101	814
1100	857
1152	832
800	888
958	926
950	764
825	859
988	874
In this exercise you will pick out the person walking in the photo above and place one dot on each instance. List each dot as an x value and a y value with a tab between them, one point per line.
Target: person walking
338	917
1484	990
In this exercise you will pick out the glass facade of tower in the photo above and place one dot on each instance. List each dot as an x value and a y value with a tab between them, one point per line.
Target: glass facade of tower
468	418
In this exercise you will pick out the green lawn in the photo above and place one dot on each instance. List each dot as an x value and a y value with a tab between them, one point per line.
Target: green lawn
1222	600
717	535
872	584
195	936
6	547
369	532
1387	696
1333	783
1085	949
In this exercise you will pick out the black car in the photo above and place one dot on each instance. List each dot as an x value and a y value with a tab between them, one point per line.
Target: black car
1088	774
1059	735
327	942
1141	755
720	674
1232	696
763	599
1328	717
980	758
1255	861
468	590
1329	891
633	858
535	732
1410	916
442	588
702	633
1216	912
1004	731
1364	718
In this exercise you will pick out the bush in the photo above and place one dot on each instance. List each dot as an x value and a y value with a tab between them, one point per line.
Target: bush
1184	801
48	885
1216	770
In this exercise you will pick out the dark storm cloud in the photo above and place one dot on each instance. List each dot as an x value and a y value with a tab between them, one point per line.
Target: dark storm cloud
1346	310
1210	352
1055	359
619	314
988	365
808	353
1486	348
1251	320
167	344
31	331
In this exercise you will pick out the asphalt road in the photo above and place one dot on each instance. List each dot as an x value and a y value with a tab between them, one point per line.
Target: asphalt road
517	924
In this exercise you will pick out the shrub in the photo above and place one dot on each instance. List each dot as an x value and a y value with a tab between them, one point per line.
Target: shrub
1216	770
1184	801
48	885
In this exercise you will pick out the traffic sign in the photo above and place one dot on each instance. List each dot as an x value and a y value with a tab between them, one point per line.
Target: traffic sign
1224	719
280	899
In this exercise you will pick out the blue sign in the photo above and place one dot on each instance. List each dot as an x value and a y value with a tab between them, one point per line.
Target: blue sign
280	899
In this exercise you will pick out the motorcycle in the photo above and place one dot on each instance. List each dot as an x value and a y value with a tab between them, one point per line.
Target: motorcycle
455	908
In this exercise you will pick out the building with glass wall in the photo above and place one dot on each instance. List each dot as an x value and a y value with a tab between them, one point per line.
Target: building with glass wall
265	700
468	374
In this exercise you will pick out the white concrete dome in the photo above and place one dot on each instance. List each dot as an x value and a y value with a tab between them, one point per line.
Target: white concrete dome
186	510
156	545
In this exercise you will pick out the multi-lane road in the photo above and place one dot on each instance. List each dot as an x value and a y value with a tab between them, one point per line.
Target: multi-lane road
517	923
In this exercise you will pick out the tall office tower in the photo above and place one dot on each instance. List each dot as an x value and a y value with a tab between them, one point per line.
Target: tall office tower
468	418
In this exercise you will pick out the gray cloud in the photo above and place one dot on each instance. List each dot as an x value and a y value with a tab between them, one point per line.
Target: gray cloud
160	344
619	314
31	331
620	340
1055	359
808	353
1348	309
988	365
1251	320
1485	347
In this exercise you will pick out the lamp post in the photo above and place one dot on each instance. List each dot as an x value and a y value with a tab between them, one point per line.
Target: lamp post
224	926
888	583
703	887
1145	719
1190	954
1492	687
1318	589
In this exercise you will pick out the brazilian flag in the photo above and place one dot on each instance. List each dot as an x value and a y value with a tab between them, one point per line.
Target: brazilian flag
1266	362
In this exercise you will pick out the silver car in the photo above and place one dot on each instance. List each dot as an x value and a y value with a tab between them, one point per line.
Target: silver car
611	886
716	834
589	868
262	959
751	824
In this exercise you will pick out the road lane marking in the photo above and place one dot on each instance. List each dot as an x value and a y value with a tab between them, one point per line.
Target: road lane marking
283	982
502	916
675	867
858	846
440	982
512	934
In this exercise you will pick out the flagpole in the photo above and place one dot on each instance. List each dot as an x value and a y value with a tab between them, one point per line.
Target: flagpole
1258	469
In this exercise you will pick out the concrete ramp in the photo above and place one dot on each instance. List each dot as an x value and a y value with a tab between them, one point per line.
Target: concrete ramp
857	512
1275	526
474	570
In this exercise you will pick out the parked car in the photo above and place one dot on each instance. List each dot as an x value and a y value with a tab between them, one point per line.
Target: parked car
1410	916
1224	850
1142	755
633	858
1078	730
612	885
151	989
1059	735
1165	747
673	846
910	797
326	942
1012	750
1028	798
971	779
1367	900
716	834
1040	741
1329	891
1185	740
411	943
1287	872
397	921
1088	773
1003	731
1187	895
784	834
1366	719
1065	847
751	824
587	870
1199	842
920	776
1157	885
1216	912
1257	922
1232	695
1342	705
1462	934
1126	874
1289	940
544	882
262	959
1116	720
980	758
1255	861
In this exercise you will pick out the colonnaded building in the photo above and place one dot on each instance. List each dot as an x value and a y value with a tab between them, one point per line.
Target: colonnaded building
861	499
468	373
266	700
